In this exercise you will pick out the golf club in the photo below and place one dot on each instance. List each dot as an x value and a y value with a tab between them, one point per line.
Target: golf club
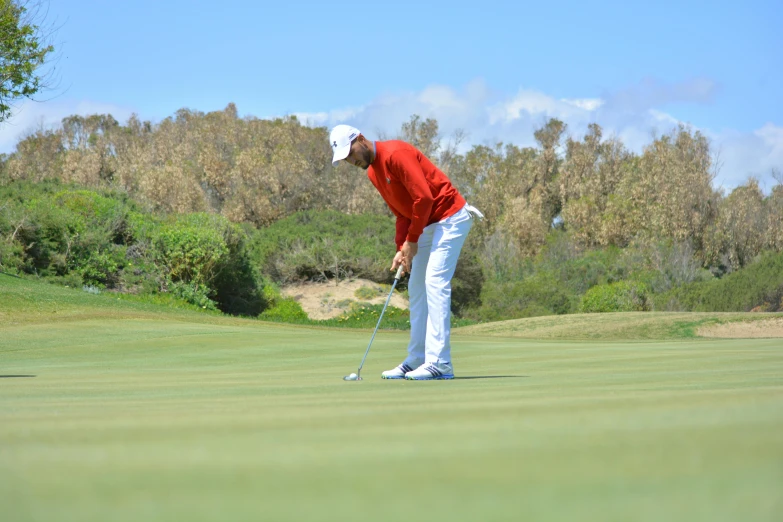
358	375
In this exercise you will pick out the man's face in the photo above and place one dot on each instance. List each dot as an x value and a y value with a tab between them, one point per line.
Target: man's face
360	154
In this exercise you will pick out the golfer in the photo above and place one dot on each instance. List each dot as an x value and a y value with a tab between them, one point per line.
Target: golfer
433	221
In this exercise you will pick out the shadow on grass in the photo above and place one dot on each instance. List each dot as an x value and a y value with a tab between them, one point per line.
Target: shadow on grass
14	376
493	377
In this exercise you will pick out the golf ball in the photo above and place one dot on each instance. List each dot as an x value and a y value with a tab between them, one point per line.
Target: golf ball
351	377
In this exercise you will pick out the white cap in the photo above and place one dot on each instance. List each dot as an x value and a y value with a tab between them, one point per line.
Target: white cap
340	139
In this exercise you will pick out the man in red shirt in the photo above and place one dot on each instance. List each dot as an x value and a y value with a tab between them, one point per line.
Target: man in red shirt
433	221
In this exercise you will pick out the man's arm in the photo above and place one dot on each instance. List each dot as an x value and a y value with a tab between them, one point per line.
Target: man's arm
402	225
408	170
405	249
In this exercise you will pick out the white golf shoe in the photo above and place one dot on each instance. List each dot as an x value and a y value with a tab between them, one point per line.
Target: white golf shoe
400	371
431	372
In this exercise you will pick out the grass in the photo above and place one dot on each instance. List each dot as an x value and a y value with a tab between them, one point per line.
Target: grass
117	411
25	301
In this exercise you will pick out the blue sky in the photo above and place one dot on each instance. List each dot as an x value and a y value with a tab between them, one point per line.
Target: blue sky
496	70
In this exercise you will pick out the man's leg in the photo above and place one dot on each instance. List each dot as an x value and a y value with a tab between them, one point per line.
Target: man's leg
448	237
417	298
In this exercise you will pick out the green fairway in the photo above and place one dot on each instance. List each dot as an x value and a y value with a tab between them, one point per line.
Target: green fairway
115	411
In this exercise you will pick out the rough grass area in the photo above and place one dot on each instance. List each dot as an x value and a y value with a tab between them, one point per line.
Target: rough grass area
23	301
125	412
625	326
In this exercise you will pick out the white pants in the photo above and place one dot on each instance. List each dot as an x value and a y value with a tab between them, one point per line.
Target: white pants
429	286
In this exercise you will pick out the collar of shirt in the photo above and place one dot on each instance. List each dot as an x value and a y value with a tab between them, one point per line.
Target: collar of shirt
375	151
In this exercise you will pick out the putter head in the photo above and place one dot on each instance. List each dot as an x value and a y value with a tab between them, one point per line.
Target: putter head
352	377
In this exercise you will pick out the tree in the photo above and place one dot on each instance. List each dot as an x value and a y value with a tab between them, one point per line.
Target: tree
423	135
774	207
21	54
740	226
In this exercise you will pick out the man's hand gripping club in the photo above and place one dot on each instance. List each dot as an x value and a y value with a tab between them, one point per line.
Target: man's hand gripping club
405	256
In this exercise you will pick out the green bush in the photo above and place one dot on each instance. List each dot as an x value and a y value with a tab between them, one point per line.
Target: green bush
143	226
96	210
58	229
539	292
61	232
206	250
285	310
238	284
577	270
759	284
318	245
193	247
10	256
19	191
47	234
467	283
193	293
594	267
623	296
102	269
70	280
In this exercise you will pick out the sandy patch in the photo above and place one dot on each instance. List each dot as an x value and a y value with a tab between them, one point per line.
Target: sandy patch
330	299
744	330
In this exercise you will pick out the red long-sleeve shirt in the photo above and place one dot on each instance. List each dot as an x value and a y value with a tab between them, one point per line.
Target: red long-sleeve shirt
417	192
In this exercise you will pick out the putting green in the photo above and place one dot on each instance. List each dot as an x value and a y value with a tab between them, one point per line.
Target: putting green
140	414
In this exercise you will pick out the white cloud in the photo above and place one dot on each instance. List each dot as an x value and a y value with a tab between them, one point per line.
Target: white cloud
525	104
664	118
773	138
441	97
28	116
588	104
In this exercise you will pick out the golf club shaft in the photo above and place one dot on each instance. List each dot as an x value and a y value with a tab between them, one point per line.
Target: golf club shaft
394	284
